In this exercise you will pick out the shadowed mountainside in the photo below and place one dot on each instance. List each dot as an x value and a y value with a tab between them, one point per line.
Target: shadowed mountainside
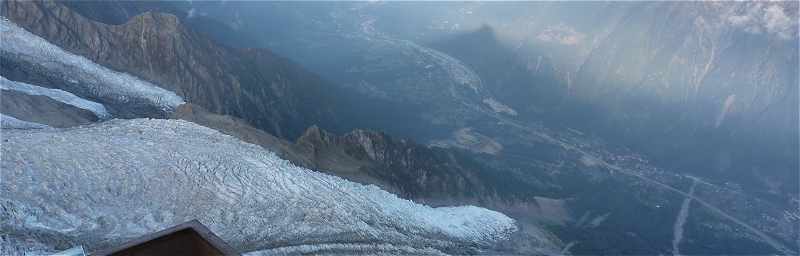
267	91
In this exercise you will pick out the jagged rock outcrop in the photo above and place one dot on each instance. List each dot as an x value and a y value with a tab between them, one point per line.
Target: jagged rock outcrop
412	170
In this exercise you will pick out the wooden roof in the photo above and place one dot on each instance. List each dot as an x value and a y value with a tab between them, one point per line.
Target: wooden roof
188	238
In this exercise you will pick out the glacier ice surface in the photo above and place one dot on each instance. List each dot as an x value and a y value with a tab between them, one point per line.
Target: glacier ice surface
10	122
59	95
105	183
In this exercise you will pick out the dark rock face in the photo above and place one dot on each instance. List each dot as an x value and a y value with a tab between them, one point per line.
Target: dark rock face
43	110
413	171
267	91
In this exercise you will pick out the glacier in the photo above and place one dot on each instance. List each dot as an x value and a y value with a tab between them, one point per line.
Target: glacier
58	95
10	122
85	77
105	183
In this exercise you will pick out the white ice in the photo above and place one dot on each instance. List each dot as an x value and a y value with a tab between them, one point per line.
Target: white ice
10	122
105	183
59	95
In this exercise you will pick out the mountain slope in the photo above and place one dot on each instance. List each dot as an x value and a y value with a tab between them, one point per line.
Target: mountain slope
688	77
29	58
529	87
267	91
